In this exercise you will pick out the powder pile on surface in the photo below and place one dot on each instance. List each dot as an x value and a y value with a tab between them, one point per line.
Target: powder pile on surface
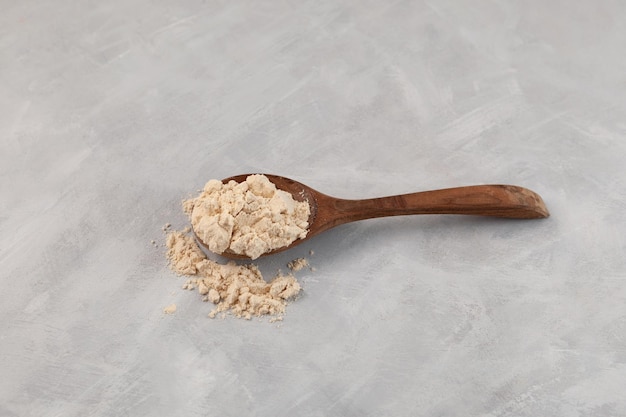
239	289
248	218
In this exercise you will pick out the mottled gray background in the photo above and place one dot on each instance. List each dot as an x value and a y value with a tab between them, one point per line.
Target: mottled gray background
111	112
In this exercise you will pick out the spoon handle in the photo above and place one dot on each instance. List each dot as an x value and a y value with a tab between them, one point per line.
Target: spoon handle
506	201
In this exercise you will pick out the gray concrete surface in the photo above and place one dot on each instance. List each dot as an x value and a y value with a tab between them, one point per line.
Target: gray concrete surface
112	112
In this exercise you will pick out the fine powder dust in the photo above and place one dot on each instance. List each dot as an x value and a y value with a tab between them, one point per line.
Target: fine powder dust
298	264
248	218
170	309
238	289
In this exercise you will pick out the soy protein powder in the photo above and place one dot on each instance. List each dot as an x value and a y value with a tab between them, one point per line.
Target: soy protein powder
251	218
248	218
237	289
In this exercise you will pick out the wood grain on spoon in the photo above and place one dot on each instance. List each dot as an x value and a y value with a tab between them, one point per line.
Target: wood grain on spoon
506	201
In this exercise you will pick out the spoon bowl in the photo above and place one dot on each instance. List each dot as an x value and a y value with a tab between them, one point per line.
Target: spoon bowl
497	200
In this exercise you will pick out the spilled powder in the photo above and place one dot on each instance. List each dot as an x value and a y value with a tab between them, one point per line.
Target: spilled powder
238	289
170	309
298	264
248	218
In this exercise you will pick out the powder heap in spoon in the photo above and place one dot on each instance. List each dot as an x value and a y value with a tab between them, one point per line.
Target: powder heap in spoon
248	218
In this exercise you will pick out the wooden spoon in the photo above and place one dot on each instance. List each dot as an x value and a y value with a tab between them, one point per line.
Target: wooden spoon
507	201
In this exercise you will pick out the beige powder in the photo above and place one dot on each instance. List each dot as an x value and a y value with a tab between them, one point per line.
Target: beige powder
298	264
248	218
170	309
183	253
239	289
